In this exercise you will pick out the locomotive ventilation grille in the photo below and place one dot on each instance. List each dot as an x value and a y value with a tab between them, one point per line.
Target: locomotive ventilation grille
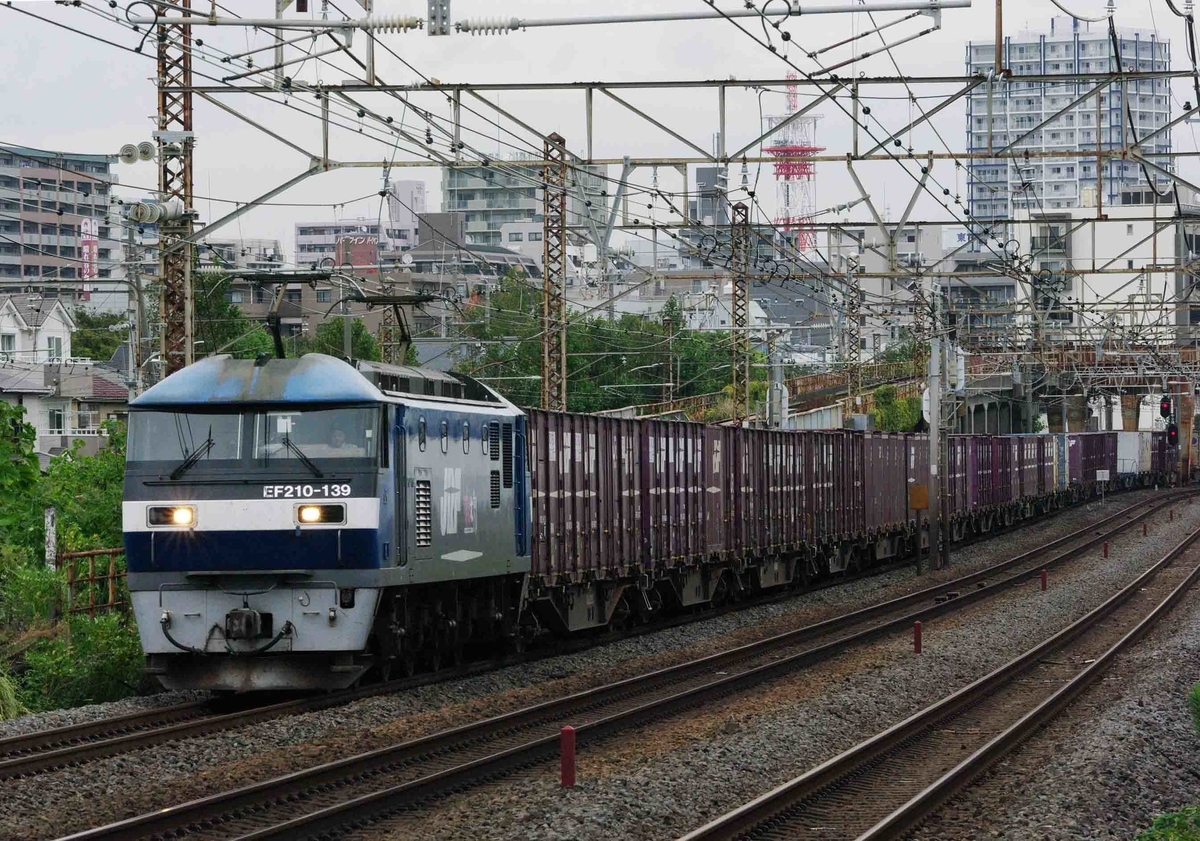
495	488
494	440
508	455
423	512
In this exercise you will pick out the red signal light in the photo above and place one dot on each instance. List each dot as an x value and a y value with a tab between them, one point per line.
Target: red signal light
1164	407
1172	434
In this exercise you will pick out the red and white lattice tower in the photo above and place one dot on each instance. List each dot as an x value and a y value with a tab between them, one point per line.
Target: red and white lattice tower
795	178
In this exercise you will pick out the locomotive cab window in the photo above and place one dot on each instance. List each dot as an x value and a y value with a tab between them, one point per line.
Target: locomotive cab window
445	437
421	434
200	438
466	433
316	434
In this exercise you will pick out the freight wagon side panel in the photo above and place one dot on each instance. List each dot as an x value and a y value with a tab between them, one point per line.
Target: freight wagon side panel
918	465
713	480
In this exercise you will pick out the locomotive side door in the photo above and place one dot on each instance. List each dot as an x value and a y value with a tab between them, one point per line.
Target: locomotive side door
402	490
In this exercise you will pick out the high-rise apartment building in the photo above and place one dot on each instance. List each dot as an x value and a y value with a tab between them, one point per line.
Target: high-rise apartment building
316	241
1016	107
507	191
56	237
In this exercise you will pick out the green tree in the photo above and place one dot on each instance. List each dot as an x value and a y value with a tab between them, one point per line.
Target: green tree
86	491
895	414
93	338
221	325
610	363
21	523
329	339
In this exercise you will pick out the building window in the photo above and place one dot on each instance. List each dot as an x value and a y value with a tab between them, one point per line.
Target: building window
234	296
54	347
516	236
260	295
54	421
8	343
1129	264
324	296
292	296
1129	232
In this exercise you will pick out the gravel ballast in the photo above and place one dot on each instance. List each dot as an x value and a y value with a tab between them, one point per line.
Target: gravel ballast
120	786
1125	752
666	780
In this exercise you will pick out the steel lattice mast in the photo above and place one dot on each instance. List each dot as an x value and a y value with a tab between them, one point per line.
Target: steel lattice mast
793	140
740	309
554	276
175	140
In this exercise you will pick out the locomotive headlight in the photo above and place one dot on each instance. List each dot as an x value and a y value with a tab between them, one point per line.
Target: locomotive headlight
312	515
180	516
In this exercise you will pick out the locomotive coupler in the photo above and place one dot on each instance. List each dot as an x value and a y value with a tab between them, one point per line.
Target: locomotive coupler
243	623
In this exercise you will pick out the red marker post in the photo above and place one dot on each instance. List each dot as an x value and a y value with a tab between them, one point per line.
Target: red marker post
1043	581
917	637
1143	529
1106	548
567	751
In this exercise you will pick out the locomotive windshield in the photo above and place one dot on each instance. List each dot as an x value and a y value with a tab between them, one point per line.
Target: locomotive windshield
323	433
264	438
174	436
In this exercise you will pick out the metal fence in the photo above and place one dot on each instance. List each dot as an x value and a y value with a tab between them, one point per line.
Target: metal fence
95	581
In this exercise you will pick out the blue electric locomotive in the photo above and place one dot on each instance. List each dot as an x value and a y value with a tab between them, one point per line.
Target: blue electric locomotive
280	520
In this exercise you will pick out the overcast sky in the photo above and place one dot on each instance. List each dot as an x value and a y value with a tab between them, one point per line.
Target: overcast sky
62	91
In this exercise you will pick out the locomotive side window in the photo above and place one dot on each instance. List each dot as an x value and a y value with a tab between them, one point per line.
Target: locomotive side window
445	437
384	435
466	442
421	434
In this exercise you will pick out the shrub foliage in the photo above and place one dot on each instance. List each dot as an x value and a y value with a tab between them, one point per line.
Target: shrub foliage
45	661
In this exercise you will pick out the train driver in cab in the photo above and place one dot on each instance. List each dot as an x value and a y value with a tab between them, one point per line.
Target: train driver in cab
338	448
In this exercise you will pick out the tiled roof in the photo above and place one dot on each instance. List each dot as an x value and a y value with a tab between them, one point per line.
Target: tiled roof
23	379
108	390
33	315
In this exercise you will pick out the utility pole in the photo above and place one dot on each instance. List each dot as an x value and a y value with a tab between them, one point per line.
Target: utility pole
347	337
137	325
668	385
175	140
740	309
554	276
935	450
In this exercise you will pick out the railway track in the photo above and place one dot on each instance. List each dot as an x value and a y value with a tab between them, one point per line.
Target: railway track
48	750
884	787
401	777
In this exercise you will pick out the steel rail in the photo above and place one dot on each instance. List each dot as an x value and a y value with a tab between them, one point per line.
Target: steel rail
774	811
524	737
72	735
45	750
915	810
